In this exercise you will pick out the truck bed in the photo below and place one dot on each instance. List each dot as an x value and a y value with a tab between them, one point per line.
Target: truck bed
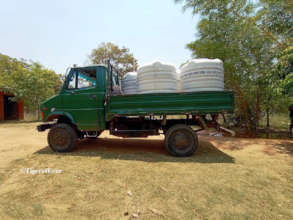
170	104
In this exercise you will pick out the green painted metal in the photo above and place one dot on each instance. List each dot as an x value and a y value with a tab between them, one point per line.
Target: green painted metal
91	108
170	104
84	107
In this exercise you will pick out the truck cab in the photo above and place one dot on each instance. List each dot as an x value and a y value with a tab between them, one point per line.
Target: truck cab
82	98
91	101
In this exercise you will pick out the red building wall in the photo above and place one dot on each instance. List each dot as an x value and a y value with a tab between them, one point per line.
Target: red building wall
20	107
20	110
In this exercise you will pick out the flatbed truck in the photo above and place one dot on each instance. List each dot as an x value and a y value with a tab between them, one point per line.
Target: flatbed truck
88	104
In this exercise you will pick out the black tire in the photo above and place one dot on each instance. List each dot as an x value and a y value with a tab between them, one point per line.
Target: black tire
62	138
181	141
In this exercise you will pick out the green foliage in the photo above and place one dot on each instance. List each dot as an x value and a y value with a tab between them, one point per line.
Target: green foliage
121	58
281	77
277	17
30	82
243	35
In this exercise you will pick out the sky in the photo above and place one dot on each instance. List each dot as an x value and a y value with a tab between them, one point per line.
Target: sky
60	33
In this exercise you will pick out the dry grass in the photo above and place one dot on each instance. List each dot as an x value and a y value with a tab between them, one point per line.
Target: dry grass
113	178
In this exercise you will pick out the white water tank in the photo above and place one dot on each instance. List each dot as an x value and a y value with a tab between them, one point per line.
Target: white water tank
157	78
179	86
202	75
129	84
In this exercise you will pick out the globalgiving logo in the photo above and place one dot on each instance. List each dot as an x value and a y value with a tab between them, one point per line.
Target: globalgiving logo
40	171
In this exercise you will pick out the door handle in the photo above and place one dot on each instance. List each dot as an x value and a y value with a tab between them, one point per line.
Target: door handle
92	96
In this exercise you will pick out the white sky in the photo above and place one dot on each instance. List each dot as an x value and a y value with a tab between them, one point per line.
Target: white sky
61	33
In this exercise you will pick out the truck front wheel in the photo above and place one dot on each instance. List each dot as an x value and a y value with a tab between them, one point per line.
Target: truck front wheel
181	141
62	138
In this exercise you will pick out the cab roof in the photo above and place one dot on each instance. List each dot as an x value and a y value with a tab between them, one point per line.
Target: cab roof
90	65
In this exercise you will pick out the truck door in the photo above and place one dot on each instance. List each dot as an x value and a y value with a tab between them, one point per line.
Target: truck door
82	100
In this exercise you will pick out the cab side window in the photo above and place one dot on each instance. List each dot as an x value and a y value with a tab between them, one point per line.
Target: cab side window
85	81
82	79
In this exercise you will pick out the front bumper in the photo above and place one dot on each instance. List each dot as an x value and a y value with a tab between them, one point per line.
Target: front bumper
44	127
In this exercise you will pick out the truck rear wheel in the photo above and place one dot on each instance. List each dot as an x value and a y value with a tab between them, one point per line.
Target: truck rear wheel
181	141
62	138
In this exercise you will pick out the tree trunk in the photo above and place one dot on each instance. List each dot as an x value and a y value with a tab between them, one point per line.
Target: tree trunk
257	110
244	108
38	110
268	122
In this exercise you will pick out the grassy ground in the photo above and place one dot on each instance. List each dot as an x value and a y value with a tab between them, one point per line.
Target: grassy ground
113	178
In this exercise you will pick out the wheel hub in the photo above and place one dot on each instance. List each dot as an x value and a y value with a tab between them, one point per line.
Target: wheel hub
181	140
61	138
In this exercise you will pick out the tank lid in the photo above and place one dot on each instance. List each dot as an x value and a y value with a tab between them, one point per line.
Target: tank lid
158	65
130	75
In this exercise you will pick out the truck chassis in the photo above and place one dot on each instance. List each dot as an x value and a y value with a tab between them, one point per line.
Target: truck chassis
180	136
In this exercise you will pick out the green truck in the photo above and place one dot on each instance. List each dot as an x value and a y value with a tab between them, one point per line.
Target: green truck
88	104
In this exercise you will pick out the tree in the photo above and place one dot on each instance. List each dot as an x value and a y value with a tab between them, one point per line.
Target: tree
234	31
225	32
121	58
280	78
30	82
276	16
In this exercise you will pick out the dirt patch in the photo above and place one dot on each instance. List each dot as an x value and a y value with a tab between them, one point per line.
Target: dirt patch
228	143
285	147
268	146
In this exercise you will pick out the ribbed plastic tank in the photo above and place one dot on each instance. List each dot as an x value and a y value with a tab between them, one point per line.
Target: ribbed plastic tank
202	75
179	86
157	78
129	84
